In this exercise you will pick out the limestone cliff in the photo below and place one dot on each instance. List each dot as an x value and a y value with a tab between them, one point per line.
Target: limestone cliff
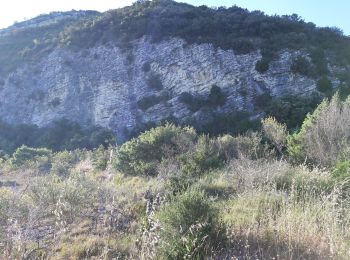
159	60
102	85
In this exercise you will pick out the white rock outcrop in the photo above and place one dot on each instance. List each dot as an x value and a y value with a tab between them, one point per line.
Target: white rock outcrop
102	85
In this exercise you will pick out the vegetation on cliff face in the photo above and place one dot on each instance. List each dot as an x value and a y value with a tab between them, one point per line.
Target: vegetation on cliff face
228	28
172	193
25	44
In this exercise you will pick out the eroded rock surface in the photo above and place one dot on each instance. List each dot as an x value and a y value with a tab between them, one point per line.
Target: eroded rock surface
103	85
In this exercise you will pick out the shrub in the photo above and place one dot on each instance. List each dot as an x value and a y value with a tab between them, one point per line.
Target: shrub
13	206
205	157
192	102
216	97
210	154
189	227
63	162
324	85
248	145
301	66
341	169
150	101
24	154
100	158
291	109
325	134
55	102
234	122
179	182
186	98
213	153
341	176
262	101
73	196
154	82
242	46
262	65
275	132
141	155
318	58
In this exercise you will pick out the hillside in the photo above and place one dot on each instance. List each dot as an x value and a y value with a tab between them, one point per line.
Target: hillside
131	68
171	193
167	131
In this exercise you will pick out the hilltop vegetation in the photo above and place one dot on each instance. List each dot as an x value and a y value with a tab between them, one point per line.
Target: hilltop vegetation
228	28
171	193
27	44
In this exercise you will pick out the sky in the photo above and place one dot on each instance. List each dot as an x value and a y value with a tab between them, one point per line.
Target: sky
321	12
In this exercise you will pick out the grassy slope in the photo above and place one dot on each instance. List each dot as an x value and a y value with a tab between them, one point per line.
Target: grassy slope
181	196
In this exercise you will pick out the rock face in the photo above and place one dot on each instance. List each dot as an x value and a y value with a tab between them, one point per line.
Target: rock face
105	85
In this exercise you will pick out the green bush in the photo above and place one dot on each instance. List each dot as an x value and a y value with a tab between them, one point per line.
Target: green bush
154	82
318	58
100	158
216	97
291	109
275	132
206	156
262	101
193	103
141	155
213	153
324	135
77	194
324	85
341	170
210	154
248	145
301	66
189	228
25	154
262	65
179	182
13	206
55	102
150	101
67	135
63	162
341	176
234	122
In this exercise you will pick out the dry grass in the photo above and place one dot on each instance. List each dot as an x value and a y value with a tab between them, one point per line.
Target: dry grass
301	220
268	209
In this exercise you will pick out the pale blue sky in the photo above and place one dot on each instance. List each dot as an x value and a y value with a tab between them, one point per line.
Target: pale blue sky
320	12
